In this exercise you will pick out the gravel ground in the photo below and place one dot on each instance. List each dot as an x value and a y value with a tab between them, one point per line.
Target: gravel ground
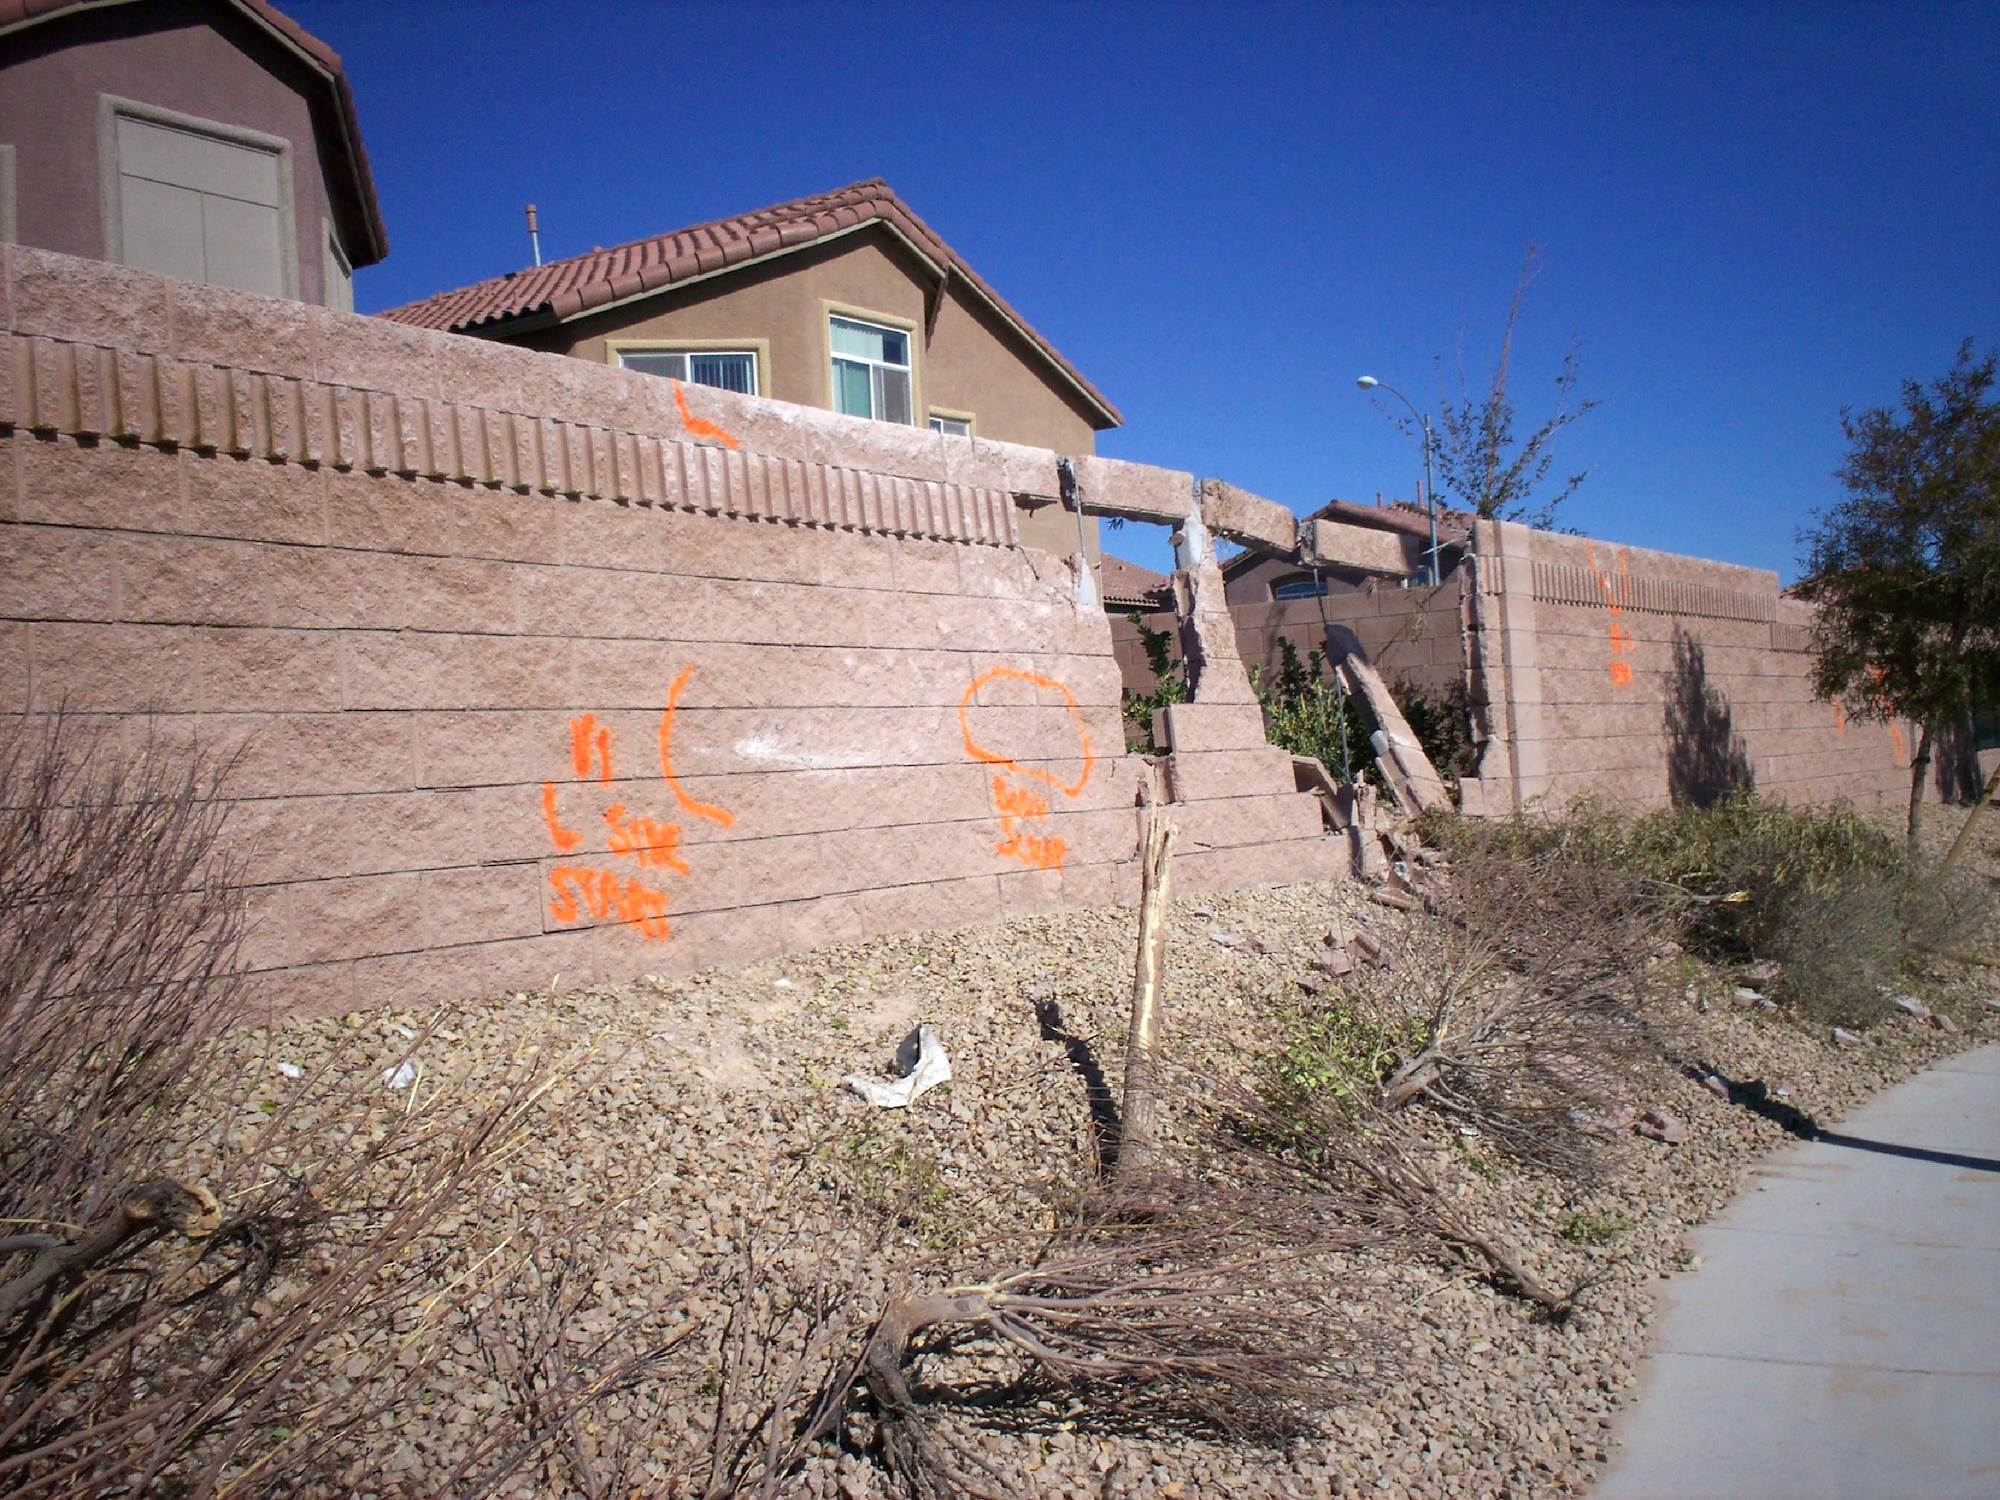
711	1117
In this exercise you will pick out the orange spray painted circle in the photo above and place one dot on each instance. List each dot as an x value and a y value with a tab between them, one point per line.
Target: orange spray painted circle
993	757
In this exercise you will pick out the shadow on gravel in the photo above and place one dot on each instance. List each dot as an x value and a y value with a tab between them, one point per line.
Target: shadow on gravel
1756	1097
1104	1130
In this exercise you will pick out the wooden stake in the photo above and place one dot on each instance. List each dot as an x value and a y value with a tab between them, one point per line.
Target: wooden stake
1139	1137
1971	822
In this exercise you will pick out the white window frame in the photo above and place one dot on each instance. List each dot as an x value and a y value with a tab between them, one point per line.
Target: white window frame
759	351
888	324
110	108
939	414
1295	580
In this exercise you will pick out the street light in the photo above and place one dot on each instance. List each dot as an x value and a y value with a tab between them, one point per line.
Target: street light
1370	383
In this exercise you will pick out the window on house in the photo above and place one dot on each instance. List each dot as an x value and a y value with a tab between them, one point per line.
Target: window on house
725	369
956	426
1300	586
337	276
871	371
200	206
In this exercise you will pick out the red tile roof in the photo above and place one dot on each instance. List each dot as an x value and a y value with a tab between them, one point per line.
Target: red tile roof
363	235
566	289
1129	585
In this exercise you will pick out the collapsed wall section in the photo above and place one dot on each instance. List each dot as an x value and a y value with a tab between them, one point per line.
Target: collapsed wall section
530	668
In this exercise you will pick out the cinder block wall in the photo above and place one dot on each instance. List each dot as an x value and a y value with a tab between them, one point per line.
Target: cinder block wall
1624	672
535	668
1412	635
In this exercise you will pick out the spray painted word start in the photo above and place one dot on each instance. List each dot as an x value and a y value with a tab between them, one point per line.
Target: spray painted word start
579	892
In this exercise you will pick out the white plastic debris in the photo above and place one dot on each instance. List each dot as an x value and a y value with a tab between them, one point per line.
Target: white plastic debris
401	1076
291	1070
921	1064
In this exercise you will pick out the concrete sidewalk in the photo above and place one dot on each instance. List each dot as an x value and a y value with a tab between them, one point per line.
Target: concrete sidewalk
1842	1337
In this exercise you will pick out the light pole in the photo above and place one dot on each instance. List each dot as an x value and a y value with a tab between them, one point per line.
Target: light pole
1370	383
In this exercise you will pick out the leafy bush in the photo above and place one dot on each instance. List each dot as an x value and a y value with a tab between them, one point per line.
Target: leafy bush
1169	686
1442	724
1744	862
1308	713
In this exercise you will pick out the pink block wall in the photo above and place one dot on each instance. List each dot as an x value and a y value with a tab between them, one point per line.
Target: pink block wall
533	668
1582	661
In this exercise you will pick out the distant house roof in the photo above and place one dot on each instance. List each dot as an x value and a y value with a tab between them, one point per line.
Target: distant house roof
1126	585
567	289
364	238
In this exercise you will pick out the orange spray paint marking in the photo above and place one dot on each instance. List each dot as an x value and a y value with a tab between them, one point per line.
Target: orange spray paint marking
586	893
1017	805
699	426
1614	597
1839	718
649	842
584	738
714	814
993	757
1880	695
565	839
603	894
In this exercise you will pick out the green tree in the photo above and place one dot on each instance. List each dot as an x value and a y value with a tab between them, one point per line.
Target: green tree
1479	461
1906	569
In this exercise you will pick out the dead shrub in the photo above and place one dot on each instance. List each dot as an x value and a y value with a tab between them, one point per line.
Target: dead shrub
197	1295
1521	1005
1161	1304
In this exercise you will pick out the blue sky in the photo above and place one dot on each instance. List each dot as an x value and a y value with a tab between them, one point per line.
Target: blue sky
1750	216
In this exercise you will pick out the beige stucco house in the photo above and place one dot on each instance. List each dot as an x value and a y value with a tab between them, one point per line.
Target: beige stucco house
213	140
845	301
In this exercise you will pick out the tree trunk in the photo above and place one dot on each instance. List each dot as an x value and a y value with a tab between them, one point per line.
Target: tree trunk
1138	1132
1918	768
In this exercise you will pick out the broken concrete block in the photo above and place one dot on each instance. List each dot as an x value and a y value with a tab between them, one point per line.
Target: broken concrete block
1368	945
1335	961
1845	1038
1139	492
1343	648
1944	1023
1746	996
1911	1006
1249	519
1208	637
1718	1088
1657	1125
1334	544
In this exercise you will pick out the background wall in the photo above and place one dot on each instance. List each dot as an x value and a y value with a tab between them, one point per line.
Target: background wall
1412	635
1640	675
